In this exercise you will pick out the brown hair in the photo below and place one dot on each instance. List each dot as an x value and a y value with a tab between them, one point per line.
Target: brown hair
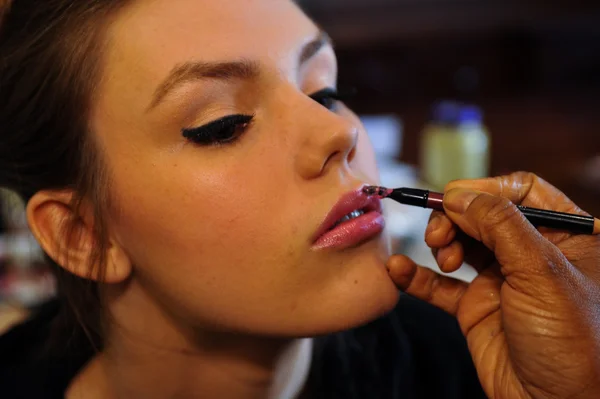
50	66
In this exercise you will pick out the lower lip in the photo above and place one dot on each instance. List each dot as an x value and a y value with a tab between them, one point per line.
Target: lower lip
352	232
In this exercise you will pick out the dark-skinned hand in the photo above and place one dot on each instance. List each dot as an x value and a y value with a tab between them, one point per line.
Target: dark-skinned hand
532	316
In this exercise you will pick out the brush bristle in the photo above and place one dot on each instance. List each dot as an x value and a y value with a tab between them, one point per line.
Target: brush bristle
381	192
371	190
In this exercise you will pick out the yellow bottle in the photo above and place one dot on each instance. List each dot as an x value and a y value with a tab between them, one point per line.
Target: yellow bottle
455	145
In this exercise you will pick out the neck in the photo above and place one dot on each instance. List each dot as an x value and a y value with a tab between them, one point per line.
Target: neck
244	368
148	354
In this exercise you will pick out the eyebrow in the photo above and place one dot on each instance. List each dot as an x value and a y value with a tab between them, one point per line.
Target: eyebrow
243	70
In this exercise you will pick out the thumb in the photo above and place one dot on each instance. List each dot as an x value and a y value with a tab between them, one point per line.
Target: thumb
521	250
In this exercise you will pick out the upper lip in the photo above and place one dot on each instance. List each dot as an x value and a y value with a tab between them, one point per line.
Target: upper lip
349	202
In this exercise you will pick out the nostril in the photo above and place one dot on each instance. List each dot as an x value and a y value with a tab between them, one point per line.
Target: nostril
351	154
331	157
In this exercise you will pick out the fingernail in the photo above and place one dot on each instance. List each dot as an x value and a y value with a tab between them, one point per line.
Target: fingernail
458	200
443	263
434	224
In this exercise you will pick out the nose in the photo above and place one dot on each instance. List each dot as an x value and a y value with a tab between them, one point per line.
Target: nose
328	142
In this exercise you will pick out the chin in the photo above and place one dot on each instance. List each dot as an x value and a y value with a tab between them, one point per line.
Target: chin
357	312
368	303
363	293
368	291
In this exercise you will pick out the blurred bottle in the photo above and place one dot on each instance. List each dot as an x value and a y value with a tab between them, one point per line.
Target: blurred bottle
455	145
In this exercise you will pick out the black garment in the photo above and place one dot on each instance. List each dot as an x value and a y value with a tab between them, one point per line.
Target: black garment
29	368
415	352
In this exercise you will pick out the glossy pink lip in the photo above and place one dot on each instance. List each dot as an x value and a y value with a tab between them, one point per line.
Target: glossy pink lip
354	231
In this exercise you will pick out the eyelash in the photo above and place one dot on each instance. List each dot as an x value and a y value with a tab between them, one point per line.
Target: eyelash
229	129
222	131
329	97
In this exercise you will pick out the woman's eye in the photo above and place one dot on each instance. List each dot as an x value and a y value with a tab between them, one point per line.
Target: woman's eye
222	131
329	97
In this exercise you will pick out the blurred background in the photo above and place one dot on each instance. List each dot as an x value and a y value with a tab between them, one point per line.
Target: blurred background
447	89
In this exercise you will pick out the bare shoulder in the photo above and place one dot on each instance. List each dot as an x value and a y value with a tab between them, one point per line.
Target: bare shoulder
90	383
11	315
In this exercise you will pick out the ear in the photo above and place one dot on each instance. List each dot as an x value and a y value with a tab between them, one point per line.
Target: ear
69	238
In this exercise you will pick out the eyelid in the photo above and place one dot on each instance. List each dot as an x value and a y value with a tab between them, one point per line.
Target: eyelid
211	133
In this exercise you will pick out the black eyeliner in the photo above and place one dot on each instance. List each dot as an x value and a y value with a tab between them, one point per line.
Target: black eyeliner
327	97
208	134
335	94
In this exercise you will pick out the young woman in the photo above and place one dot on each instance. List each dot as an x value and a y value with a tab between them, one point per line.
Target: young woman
189	170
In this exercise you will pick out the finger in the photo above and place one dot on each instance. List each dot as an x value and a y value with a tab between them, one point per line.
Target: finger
451	248
464	249
450	258
522	188
501	227
530	190
482	299
420	282
475	253
440	230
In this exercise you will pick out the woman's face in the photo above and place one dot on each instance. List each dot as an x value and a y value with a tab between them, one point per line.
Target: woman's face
221	222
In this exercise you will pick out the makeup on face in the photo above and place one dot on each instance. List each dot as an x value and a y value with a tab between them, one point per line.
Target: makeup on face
355	218
577	224
229	129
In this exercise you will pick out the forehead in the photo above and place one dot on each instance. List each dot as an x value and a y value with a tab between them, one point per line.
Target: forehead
148	38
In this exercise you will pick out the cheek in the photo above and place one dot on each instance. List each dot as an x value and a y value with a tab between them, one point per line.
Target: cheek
197	217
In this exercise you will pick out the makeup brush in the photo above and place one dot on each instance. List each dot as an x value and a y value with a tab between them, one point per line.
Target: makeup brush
538	217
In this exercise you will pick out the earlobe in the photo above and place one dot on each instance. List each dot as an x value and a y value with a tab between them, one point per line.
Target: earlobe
70	239
118	265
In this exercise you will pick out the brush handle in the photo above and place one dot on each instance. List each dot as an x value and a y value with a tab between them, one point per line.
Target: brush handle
559	220
538	217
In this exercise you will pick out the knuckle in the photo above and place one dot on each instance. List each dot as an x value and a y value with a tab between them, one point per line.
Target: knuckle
435	215
431	287
422	284
523	182
452	184
498	211
525	177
